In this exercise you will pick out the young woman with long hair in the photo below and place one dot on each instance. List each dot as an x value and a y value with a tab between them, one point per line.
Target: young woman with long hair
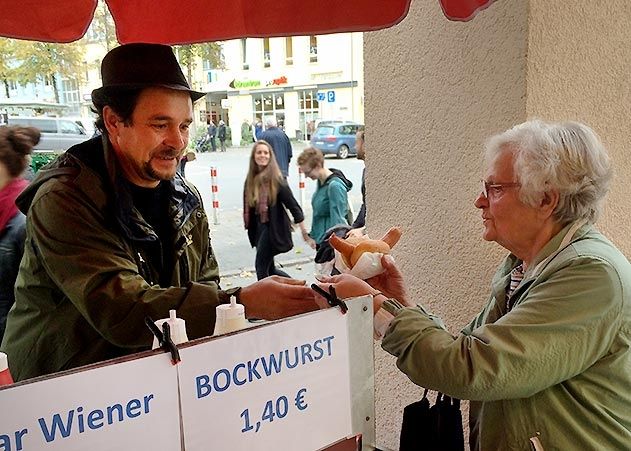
266	195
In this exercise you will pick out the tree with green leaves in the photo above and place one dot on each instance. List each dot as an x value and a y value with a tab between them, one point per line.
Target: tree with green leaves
37	60
7	64
188	54
103	26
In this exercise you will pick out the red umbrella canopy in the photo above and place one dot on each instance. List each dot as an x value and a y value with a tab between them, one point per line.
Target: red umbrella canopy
189	21
463	10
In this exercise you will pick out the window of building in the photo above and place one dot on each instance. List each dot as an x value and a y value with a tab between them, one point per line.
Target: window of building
308	112
313	49
211	71
289	51
266	53
269	104
244	55
70	91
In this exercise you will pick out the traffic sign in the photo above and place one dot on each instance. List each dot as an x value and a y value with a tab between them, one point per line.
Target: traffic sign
321	97
330	96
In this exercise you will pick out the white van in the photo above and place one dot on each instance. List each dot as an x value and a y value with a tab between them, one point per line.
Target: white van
86	123
58	133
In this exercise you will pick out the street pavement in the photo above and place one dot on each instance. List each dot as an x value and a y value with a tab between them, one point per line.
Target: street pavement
229	238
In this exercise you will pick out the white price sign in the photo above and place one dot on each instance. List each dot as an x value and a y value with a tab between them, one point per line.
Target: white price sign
104	408
283	386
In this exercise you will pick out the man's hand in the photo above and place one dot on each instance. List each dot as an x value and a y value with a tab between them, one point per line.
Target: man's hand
346	286
277	297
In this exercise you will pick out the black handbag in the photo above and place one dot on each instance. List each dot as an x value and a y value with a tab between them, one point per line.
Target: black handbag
435	428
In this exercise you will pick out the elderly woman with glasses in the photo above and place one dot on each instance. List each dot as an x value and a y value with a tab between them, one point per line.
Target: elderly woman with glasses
547	362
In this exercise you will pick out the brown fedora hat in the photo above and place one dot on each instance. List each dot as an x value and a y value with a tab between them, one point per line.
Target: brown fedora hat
143	65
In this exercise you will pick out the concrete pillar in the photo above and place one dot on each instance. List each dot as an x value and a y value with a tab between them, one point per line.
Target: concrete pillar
435	90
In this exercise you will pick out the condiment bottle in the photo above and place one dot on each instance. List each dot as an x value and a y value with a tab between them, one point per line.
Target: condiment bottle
230	317
177	328
5	374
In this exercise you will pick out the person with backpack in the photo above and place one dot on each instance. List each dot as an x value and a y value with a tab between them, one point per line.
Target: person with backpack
330	200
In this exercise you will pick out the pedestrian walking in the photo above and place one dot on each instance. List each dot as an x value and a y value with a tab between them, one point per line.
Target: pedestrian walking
257	129
330	200
246	133
212	134
266	195
221	134
359	225
189	155
280	143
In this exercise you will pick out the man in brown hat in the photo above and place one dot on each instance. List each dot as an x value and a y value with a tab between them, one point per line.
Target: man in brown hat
115	235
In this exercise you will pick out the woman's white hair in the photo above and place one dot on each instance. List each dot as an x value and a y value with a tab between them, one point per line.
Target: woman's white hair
565	156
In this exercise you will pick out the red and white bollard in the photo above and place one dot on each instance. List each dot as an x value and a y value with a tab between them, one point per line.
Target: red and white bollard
301	187
214	189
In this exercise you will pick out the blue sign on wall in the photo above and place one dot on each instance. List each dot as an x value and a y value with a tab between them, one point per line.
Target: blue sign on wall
321	97
330	96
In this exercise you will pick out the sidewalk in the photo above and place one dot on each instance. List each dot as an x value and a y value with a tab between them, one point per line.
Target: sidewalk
300	268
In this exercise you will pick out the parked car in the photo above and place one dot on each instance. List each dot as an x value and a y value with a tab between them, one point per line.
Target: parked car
58	133
86	123
333	137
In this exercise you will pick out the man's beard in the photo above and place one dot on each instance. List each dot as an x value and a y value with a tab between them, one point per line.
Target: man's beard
152	174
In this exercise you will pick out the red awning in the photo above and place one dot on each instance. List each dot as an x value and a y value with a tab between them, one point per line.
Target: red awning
463	10
188	21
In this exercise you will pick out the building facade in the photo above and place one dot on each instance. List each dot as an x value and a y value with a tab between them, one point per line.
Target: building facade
298	80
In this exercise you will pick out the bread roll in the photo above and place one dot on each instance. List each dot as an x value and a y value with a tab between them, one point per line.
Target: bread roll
369	246
352	248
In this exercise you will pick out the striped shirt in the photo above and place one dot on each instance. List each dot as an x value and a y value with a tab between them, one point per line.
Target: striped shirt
516	276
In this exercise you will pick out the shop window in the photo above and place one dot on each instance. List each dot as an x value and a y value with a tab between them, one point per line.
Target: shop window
266	105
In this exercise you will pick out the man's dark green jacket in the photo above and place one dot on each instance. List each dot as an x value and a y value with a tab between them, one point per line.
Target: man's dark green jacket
86	282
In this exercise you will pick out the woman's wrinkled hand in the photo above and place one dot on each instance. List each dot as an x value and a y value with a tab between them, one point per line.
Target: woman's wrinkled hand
390	282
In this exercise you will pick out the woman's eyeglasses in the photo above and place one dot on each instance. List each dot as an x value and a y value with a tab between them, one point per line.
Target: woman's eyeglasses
496	188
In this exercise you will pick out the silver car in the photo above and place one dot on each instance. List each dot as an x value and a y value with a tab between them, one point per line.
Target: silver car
58	134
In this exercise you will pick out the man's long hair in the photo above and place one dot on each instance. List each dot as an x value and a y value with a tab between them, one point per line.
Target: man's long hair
122	100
